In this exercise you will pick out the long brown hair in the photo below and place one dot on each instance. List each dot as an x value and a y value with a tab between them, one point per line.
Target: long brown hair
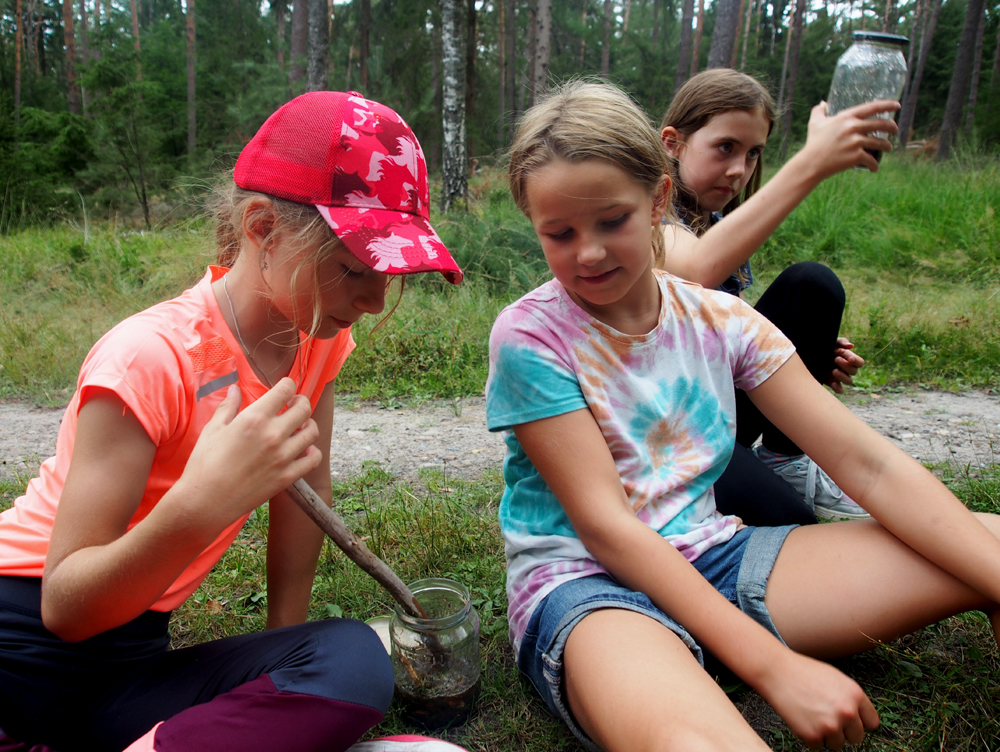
583	120
701	98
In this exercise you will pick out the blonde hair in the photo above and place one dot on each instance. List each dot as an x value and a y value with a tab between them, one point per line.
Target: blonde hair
296	226
702	97
583	120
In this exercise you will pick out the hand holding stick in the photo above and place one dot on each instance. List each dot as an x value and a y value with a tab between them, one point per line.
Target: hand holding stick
330	523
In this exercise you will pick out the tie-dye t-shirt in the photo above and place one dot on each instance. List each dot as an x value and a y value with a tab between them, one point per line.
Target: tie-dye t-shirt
663	400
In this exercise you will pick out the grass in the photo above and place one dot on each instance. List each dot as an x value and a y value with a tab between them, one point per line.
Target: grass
936	689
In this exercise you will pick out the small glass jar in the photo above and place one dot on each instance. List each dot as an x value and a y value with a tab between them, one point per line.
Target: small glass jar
436	660
872	68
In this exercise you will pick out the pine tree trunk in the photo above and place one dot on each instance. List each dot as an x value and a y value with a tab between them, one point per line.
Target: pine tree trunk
525	95
84	54
135	41
543	37
278	7
300	40
192	113
319	45
471	40
727	19
696	47
18	44
793	72
502	71
606	44
746	35
891	17
454	177
961	73
365	42
656	24
995	80
736	41
628	9
684	51
510	37
909	109
970	110
72	91
784	67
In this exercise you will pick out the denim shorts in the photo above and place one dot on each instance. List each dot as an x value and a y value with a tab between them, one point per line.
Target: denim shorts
738	569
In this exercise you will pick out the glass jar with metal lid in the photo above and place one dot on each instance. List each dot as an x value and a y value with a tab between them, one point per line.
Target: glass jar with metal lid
872	68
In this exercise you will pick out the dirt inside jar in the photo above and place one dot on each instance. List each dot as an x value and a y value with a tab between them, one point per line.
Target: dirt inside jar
451	708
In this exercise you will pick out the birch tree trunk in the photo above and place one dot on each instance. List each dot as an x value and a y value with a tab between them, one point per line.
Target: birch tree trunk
135	41
543	37
606	44
454	176
962	72
909	108
300	39
793	72
727	18
72	92
192	112
970	108
319	45
684	51
696	47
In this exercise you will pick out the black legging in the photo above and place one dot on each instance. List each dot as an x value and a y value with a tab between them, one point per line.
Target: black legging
806	302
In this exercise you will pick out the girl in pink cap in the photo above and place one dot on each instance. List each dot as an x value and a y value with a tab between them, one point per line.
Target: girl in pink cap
186	418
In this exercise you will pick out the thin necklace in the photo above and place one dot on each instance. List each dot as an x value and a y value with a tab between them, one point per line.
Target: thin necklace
225	287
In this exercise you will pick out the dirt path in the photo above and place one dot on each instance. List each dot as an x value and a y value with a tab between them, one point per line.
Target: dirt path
934	427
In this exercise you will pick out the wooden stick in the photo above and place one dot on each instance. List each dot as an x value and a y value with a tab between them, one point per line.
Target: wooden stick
330	523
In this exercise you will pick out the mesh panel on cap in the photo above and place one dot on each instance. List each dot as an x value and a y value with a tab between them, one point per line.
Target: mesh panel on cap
296	150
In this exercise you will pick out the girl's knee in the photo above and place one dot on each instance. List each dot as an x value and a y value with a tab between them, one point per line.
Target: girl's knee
813	278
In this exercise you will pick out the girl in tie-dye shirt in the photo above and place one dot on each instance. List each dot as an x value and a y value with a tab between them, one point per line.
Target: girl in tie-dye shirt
614	387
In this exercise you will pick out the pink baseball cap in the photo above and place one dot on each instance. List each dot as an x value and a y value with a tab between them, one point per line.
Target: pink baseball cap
360	165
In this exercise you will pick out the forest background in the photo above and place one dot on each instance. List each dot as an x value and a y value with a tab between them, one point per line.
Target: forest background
123	109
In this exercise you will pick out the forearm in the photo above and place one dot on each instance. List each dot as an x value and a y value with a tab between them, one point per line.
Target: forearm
731	242
643	561
100	587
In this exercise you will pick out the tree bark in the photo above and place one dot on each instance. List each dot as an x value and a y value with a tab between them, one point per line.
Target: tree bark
502	71
135	41
454	177
628	9
365	42
606	45
746	35
970	109
525	95
684	51
278	8
995	80
18	44
961	73
510	37
319	45
696	47
909	108
69	36
793	72
891	17
471	40
543	37
300	40
727	18
192	112
736	41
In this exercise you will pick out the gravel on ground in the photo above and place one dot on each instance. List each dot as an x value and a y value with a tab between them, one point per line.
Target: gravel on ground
935	427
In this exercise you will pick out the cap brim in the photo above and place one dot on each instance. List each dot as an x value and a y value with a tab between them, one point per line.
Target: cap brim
391	242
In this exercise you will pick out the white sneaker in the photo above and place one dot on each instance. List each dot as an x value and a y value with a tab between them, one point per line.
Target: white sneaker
823	496
406	743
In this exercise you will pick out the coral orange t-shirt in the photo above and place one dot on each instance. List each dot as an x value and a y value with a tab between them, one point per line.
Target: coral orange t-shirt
171	364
